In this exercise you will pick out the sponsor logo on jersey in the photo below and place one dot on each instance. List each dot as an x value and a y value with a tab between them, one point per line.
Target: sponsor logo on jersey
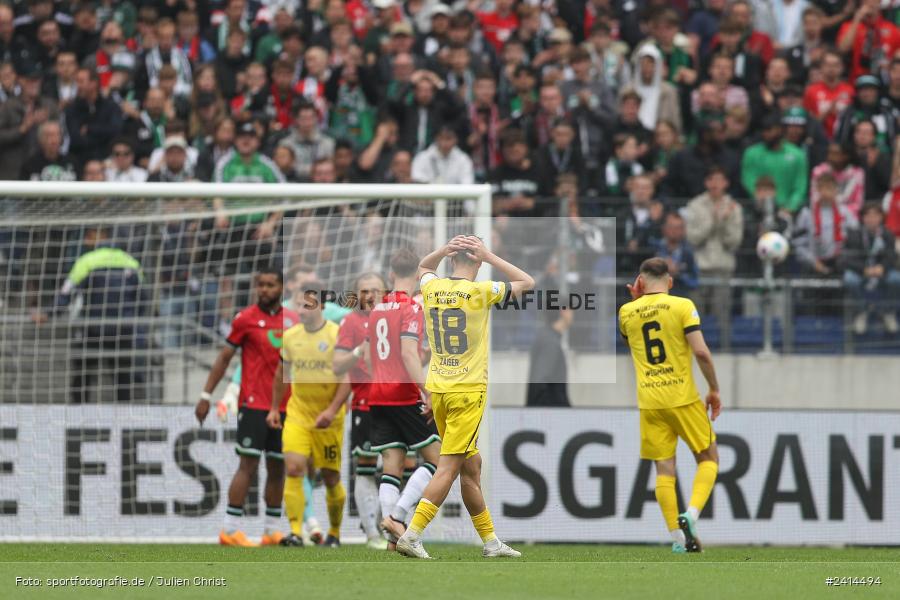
323	346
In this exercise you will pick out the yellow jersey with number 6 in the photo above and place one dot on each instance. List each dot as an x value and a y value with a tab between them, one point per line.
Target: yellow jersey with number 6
456	323
655	327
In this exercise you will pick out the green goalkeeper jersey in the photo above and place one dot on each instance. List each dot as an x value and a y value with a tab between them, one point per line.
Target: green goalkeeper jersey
231	168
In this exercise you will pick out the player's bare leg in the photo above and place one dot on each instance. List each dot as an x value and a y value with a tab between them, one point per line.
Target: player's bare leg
704	480
232	534
335	496
473	498
274	494
295	466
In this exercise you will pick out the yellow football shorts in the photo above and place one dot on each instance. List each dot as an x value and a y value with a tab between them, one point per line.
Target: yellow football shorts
322	445
457	416
661	428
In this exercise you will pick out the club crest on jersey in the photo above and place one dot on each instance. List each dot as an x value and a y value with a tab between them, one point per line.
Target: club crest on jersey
495	287
323	346
288	323
274	336
261	323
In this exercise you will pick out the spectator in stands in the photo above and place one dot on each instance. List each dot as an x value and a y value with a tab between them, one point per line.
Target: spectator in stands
92	121
516	182
810	49
659	98
781	160
164	52
688	167
639	224
866	106
307	141
678	254
122	168
805	133
737	127
93	171
110	283
49	44
827	99
49	163
353	98
754	41
61	86
7	33
871	156
231	61
215	148
629	121
748	64
666	142
443	161
850	178
703	24
608	56
147	130
20	118
285	159
721	74
869	40
715	229
175	166
871	277
891	96
85	37
781	21
621	167
484	125
373	162
664	25
400	168
561	155
822	228
586	93
197	50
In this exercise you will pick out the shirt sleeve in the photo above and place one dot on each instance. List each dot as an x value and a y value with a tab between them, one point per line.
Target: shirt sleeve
623	329
690	318
496	291
427	277
285	349
238	331
411	323
346	338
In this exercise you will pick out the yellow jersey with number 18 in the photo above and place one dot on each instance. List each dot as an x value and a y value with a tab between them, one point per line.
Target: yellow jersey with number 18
655	327
456	323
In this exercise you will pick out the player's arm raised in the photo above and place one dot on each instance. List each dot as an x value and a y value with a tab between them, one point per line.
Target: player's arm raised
705	361
220	365
273	419
519	280
326	417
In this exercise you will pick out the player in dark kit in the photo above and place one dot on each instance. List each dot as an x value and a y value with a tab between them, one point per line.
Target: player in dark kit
399	422
256	331
348	358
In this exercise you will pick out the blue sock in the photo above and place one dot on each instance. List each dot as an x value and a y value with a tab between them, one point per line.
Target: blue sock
308	491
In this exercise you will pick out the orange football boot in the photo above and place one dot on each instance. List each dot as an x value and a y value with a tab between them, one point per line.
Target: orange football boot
238	538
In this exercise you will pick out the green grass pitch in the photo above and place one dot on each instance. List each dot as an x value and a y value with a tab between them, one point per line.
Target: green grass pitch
570	572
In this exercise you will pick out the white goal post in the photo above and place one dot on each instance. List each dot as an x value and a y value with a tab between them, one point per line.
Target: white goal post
55	449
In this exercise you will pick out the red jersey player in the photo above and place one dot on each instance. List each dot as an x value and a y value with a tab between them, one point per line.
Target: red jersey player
395	328
348	357
257	332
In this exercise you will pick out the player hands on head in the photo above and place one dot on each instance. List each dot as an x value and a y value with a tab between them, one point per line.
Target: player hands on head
662	332
257	332
313	427
457	309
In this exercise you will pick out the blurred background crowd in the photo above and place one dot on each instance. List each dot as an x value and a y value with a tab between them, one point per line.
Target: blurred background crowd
698	124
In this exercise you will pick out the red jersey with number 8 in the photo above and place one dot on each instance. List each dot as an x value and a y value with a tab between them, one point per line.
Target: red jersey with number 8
396	317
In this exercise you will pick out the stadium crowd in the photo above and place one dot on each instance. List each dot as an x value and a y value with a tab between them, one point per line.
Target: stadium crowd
699	124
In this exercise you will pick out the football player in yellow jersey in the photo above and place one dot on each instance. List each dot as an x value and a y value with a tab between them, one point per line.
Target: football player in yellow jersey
662	332
313	429
456	321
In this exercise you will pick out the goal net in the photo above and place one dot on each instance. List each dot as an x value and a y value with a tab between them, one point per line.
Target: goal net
115	301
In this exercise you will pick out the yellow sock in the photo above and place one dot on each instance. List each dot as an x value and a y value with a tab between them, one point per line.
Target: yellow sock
704	481
425	512
484	525
668	500
294	502
334	500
